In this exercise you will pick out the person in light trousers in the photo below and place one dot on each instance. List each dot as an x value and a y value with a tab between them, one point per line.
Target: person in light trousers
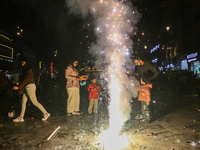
72	86
28	83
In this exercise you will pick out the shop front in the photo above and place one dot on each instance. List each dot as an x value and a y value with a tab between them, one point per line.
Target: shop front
193	63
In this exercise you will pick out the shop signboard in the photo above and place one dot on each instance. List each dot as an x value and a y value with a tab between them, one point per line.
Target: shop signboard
192	57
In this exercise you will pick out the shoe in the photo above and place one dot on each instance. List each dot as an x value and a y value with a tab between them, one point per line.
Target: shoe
46	116
139	117
76	113
18	119
69	114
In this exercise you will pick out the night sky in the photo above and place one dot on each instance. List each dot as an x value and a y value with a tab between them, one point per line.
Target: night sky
48	26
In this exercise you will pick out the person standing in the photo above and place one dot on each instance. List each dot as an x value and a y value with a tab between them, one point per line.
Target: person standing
72	86
93	90
28	83
146	68
145	98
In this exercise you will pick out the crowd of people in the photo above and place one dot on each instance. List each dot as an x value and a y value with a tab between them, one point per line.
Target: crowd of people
28	82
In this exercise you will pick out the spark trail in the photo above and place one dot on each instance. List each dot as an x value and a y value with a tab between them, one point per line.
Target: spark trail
114	25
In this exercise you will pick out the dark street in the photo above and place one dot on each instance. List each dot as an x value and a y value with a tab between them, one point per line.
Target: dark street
175	125
99	75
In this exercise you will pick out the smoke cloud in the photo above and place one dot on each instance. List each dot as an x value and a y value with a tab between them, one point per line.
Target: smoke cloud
114	23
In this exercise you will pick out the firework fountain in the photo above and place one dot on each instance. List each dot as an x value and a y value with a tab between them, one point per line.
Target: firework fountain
114	25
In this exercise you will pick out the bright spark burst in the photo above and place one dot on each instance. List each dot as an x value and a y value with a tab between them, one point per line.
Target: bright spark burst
116	28
110	141
115	21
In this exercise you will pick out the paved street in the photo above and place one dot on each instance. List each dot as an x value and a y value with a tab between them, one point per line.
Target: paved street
176	125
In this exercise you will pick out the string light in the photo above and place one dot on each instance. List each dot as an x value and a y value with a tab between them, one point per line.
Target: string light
6	37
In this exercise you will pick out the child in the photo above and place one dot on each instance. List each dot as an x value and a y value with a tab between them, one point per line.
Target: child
145	98
94	90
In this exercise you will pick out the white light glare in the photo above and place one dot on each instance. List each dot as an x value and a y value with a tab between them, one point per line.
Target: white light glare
167	28
193	143
110	140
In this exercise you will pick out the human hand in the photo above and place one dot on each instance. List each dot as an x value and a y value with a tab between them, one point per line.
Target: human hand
93	89
15	88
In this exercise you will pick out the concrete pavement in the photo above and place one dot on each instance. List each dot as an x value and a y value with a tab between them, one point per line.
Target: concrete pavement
175	126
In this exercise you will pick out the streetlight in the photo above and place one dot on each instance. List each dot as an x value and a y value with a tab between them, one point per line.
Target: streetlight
145	47
55	53
167	28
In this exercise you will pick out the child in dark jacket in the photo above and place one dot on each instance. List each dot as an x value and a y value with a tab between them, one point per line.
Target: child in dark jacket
145	98
94	90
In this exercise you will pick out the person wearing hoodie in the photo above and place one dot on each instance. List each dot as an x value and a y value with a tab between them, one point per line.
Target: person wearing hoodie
28	83
146	68
145	98
72	86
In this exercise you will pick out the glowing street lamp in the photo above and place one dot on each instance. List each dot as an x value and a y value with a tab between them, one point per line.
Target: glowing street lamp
145	47
167	28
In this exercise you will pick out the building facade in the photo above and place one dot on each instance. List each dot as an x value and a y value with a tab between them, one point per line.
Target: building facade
6	50
181	35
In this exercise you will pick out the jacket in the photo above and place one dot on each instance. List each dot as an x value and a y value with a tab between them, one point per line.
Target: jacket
93	90
144	93
70	75
28	78
147	69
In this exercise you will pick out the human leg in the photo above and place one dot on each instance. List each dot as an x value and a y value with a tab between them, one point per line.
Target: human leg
90	106
70	103
76	100
145	112
30	90
95	105
23	109
24	100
